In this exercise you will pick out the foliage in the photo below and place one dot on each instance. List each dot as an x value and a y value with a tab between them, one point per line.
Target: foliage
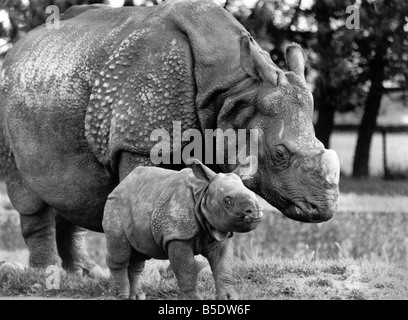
25	15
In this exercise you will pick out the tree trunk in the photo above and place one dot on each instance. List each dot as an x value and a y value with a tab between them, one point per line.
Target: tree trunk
371	109
325	122
324	102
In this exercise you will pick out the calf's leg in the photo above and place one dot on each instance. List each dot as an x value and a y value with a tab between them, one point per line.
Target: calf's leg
220	259
182	261
136	266
119	249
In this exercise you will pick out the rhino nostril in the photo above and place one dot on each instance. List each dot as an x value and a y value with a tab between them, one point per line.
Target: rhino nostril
313	207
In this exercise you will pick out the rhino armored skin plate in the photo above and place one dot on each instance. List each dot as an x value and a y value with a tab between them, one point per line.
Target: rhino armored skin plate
167	214
78	105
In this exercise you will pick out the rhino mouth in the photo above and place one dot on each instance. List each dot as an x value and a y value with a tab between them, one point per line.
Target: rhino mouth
246	221
306	212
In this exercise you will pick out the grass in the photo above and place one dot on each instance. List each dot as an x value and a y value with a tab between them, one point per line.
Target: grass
345	279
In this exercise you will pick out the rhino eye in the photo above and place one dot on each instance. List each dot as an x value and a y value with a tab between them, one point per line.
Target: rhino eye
280	153
228	202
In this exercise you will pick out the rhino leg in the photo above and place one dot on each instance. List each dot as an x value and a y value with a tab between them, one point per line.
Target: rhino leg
136	266
37	219
38	230
220	259
119	252
71	245
181	256
117	259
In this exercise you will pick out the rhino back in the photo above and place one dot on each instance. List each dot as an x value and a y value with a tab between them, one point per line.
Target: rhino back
165	71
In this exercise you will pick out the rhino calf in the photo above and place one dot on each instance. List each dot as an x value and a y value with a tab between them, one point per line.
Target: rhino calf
175	215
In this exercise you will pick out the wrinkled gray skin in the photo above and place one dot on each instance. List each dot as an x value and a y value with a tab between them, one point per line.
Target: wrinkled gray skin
167	214
78	104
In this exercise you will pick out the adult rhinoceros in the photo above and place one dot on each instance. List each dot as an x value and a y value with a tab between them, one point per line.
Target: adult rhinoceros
78	105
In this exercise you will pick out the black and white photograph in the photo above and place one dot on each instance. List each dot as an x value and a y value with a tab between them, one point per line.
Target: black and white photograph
203	150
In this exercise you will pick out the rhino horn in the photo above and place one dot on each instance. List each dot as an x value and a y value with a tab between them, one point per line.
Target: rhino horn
254	62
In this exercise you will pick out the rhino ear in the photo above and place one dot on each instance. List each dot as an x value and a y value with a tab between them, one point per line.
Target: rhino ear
201	171
295	59
255	62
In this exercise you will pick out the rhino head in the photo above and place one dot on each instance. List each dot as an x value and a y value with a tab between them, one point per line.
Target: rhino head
295	173
226	203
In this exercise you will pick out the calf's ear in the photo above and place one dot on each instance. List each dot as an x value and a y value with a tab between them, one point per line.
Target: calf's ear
201	171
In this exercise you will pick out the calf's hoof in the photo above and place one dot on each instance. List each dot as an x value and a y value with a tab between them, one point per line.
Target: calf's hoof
140	295
122	296
229	294
189	296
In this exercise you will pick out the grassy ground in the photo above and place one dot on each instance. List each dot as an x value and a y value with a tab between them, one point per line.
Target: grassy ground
264	279
374	186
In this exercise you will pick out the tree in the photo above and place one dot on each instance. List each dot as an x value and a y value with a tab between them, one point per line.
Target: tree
24	16
383	46
336	79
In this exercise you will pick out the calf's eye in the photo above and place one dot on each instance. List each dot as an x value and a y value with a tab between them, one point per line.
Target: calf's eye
228	202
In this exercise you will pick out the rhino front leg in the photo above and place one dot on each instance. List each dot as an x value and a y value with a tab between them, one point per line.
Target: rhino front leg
119	249
182	261
220	259
71	245
117	259
136	266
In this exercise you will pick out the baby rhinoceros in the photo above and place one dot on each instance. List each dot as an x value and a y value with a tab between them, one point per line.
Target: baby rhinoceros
165	214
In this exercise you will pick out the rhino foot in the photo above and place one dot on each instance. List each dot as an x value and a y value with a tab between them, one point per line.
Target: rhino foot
71	244
189	296
140	295
228	294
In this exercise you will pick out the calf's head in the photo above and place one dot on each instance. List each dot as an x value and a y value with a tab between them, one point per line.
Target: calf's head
227	204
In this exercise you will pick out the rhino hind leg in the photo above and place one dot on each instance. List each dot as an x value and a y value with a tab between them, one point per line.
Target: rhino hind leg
37	219
136	266
71	245
39	234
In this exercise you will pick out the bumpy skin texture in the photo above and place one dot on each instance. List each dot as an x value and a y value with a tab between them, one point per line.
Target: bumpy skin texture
78	105
175	215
